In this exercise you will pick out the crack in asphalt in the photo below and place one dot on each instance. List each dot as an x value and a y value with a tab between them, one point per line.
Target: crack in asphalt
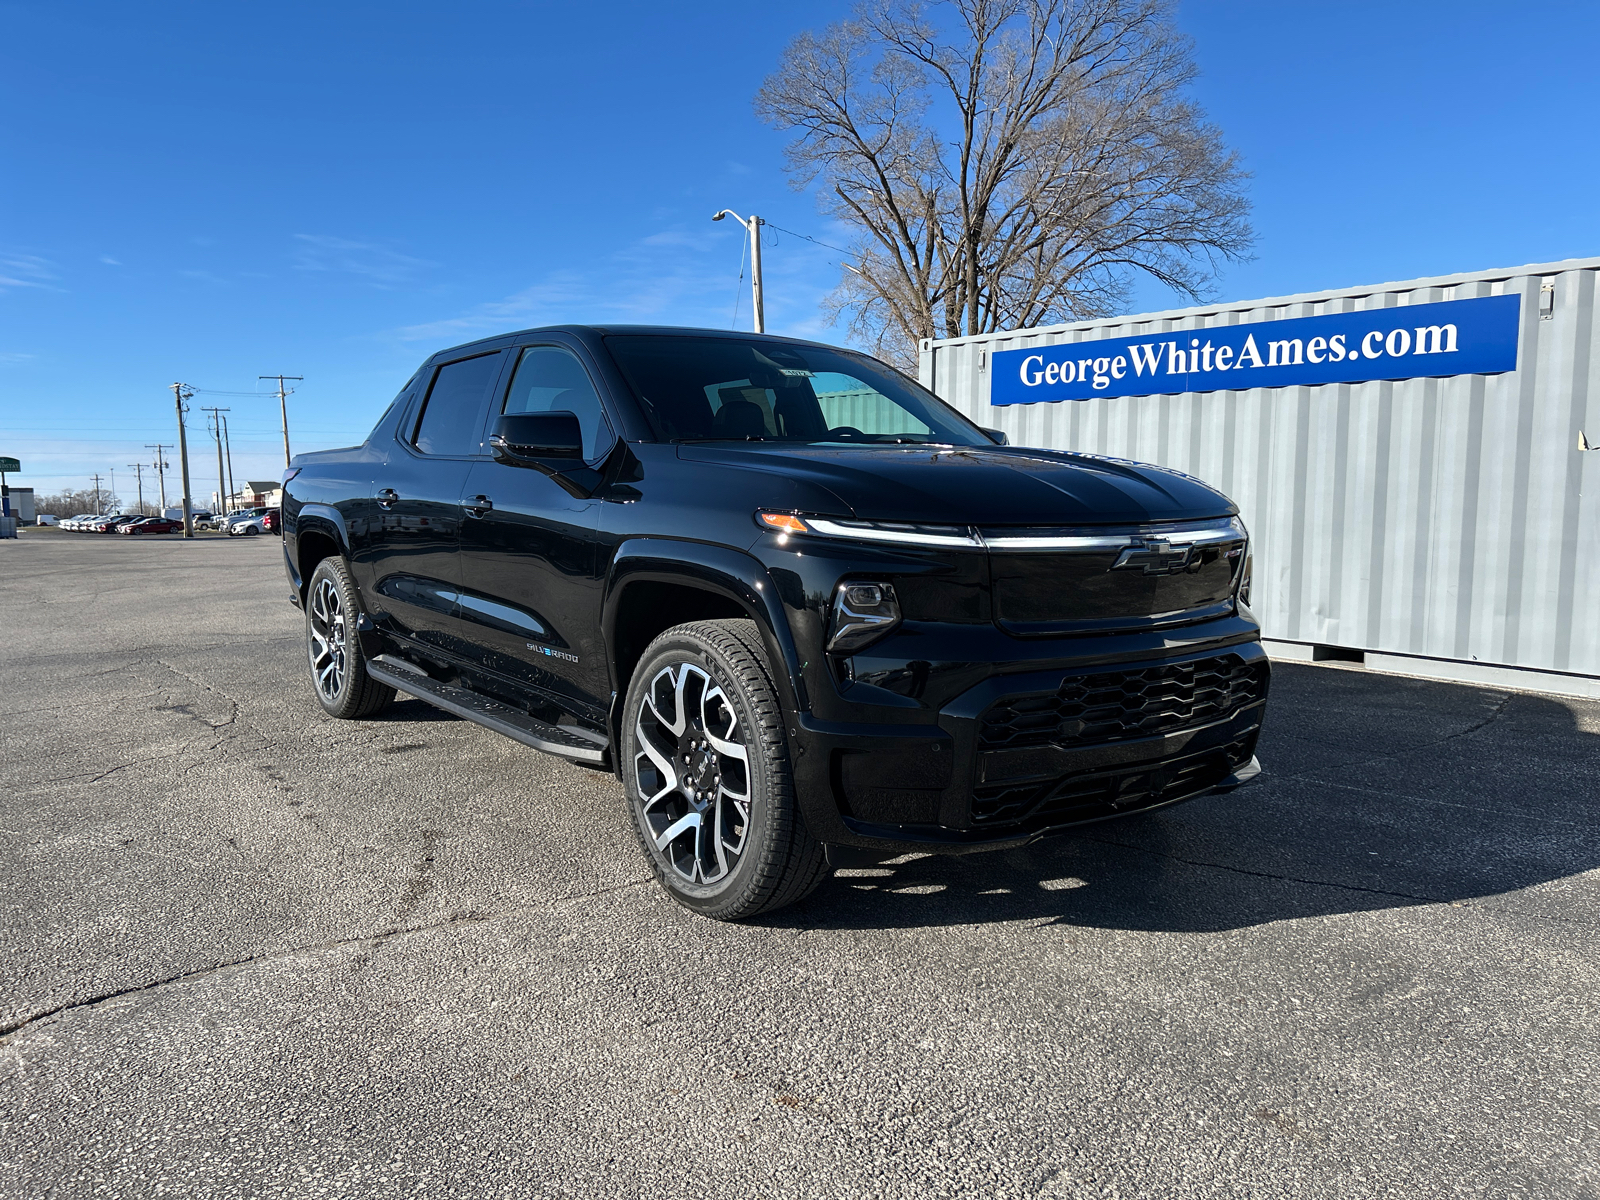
9	1029
1215	866
1494	715
1347	887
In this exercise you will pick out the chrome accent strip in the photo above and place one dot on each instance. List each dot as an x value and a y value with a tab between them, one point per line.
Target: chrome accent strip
1116	542
1206	534
874	534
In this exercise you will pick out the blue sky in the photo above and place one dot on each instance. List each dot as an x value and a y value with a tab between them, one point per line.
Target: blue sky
207	193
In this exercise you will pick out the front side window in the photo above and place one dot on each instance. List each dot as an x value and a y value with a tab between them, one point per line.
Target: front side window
551	379
452	415
728	389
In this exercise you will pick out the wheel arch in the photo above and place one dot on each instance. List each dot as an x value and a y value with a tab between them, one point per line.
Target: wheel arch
657	583
319	533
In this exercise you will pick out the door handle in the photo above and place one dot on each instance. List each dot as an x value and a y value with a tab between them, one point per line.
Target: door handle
478	505
387	497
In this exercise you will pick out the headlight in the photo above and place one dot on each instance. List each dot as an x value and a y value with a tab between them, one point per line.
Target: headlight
1245	573
862	613
903	533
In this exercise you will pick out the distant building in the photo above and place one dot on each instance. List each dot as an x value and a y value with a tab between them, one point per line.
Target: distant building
19	504
256	494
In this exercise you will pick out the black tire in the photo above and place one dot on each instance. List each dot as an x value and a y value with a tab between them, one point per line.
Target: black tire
251	531
707	688
339	676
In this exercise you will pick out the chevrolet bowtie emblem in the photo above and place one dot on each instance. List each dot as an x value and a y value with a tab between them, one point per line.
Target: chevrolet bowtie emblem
1156	556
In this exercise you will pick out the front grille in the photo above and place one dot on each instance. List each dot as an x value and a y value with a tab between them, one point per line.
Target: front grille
1089	797
1114	706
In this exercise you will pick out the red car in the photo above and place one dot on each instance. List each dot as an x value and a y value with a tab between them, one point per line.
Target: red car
152	525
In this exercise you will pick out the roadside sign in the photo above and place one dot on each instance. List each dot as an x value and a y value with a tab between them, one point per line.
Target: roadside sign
10	466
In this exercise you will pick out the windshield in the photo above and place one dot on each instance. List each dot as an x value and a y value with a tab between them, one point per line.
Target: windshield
725	389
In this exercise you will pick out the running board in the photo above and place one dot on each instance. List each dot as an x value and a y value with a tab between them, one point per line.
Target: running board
491	714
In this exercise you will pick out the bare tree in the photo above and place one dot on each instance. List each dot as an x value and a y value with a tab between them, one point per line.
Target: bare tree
71	502
1018	168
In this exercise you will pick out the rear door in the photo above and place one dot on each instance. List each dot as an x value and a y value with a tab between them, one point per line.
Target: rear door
530	588
414	539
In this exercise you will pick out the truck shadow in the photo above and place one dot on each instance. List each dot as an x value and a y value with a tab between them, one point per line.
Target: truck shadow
1380	792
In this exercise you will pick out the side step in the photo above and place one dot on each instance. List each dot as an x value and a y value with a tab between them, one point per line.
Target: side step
491	714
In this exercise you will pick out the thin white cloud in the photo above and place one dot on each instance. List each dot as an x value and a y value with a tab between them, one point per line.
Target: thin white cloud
109	261
27	270
11	358
368	260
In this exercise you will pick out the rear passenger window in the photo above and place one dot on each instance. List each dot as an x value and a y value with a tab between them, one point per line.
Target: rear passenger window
550	379
452	415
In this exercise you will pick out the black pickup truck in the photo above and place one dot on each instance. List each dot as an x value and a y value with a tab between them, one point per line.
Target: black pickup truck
806	612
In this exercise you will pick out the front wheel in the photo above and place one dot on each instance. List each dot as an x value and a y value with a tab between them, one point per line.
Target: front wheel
338	667
706	767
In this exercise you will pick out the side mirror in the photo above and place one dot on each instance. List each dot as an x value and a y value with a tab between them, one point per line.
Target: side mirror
998	437
546	441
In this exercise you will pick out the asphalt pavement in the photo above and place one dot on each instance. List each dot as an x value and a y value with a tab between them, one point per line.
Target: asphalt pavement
246	950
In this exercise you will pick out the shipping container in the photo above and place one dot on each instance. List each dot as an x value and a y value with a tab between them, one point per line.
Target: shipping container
1406	516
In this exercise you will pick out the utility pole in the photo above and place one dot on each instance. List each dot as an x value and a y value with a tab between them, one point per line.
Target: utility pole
96	479
138	475
283	406
228	446
753	228
222	480
160	465
112	495
180	393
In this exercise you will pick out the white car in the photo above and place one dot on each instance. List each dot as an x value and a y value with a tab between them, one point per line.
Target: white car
78	521
249	525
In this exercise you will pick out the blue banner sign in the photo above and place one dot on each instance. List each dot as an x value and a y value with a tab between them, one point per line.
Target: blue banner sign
1452	337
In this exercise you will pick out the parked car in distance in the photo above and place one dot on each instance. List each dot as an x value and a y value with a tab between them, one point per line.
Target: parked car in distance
809	614
152	525
223	522
78	521
110	524
46	519
255	522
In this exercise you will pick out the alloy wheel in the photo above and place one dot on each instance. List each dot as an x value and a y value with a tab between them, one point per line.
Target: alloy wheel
692	772
327	646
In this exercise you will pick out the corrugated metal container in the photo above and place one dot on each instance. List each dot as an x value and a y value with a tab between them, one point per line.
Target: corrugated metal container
1441	526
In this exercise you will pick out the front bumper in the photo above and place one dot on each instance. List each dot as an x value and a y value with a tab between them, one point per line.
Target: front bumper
959	786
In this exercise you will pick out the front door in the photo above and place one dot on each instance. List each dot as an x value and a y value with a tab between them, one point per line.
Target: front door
529	587
415	537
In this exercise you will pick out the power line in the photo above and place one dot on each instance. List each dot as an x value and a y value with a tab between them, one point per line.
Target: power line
199	391
806	237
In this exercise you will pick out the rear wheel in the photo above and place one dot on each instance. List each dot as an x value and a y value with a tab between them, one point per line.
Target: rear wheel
707	771
338	668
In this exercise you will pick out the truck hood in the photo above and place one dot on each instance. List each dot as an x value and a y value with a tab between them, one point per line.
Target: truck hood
1000	485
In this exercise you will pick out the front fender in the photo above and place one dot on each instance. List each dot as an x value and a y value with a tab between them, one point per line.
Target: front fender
729	573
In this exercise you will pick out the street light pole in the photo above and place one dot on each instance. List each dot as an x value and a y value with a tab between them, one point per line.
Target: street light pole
161	465
138	475
283	406
180	393
228	447
222	480
753	228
